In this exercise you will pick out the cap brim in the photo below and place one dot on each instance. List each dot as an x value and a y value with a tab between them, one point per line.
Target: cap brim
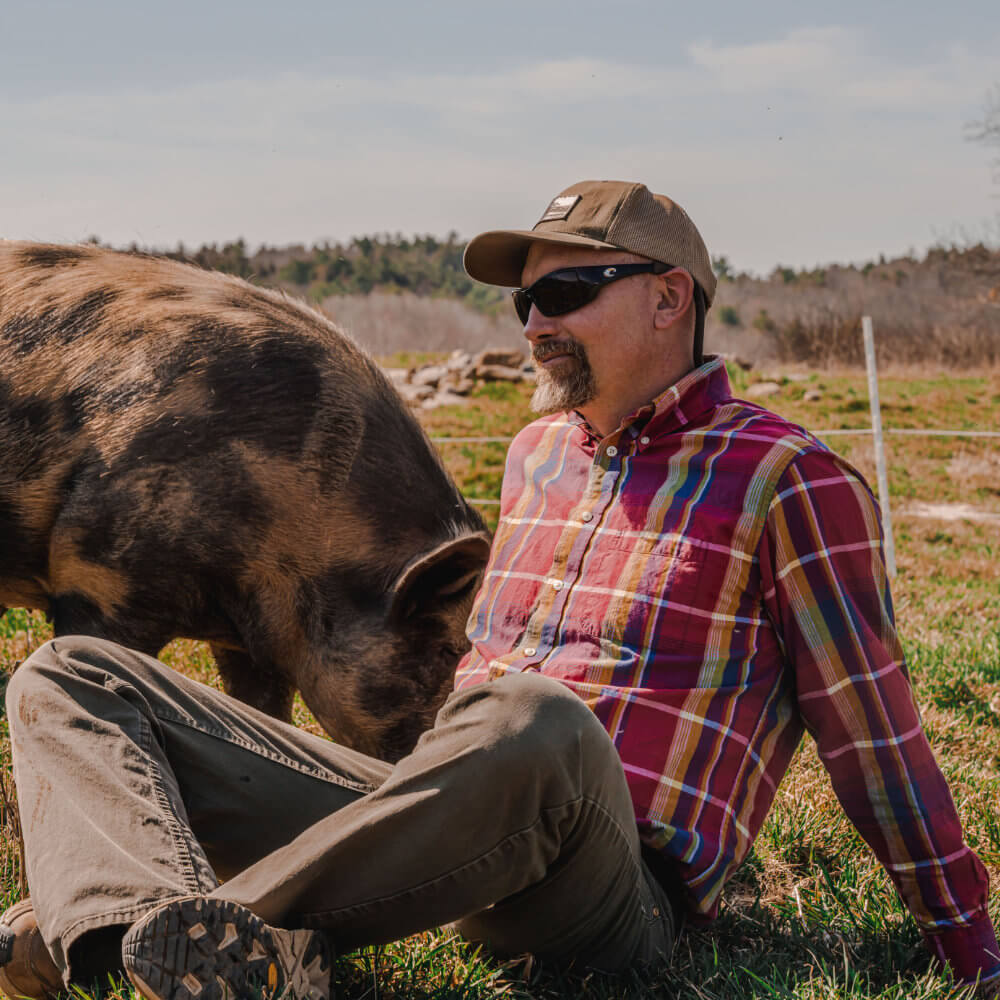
498	257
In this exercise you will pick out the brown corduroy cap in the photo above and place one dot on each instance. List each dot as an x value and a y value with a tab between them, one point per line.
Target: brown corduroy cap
608	215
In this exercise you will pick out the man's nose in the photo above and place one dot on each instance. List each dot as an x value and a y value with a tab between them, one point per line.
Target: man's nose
539	326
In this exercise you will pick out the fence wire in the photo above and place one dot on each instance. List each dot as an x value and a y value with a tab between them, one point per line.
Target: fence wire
829	432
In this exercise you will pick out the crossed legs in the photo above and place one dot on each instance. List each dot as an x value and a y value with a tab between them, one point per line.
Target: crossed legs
511	817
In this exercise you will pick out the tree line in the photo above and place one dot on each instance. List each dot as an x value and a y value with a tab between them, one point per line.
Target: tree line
421	265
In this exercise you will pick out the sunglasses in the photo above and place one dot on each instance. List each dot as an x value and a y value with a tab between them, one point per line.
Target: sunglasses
572	288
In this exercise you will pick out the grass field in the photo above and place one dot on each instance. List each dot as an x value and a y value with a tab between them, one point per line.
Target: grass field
810	914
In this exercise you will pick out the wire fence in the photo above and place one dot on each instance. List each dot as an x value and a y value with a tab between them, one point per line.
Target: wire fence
828	432
876	430
929	432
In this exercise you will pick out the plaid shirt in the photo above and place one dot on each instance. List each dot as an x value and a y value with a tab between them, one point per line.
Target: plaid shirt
710	580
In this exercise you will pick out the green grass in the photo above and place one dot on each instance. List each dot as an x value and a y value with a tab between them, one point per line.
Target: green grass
810	914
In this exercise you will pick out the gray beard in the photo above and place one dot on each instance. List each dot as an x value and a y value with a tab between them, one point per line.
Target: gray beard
560	393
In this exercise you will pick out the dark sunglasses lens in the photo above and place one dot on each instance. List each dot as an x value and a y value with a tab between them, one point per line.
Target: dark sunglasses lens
554	295
522	305
557	293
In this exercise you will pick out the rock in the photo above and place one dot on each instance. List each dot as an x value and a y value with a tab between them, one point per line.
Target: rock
797	377
428	375
740	362
762	390
414	394
499	356
812	396
397	375
458	361
457	382
444	398
498	373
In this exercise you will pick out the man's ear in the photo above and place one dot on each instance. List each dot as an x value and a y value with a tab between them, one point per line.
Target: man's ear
674	297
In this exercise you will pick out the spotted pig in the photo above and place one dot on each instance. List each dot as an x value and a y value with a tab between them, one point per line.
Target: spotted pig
184	454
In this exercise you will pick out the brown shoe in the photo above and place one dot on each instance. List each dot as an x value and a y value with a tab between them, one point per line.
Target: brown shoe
26	967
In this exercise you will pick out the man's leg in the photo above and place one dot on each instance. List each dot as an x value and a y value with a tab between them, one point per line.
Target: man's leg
511	816
137	785
516	797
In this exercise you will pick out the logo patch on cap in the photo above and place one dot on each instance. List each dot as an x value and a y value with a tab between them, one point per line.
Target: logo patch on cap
559	208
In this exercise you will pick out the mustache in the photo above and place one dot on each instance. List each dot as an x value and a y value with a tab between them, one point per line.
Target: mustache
549	349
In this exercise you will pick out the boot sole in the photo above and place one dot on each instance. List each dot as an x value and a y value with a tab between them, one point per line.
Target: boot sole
208	949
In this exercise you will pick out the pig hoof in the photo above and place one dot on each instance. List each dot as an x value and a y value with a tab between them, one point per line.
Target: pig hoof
198	948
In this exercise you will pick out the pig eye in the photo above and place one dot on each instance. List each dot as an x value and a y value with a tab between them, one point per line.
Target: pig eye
463	590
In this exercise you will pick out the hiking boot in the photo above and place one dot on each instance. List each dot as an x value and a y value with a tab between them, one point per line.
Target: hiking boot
212	949
26	967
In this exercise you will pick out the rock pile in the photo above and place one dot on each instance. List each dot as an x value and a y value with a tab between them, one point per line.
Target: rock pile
449	383
773	384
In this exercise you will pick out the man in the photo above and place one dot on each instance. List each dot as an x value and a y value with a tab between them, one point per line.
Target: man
679	584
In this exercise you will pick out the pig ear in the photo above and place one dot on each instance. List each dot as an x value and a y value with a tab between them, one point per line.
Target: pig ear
438	577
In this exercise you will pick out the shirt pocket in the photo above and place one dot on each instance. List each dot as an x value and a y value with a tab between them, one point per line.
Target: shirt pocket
660	593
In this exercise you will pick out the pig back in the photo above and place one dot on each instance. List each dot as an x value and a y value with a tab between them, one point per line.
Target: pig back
182	453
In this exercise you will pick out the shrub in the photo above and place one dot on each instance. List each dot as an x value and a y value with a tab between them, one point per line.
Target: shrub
762	321
723	269
729	315
298	272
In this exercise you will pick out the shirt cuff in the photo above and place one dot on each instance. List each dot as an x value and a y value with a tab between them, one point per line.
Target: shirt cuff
970	950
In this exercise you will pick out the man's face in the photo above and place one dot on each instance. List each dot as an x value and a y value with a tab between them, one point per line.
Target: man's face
592	356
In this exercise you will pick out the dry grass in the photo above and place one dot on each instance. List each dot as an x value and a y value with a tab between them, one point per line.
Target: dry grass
943	309
384	323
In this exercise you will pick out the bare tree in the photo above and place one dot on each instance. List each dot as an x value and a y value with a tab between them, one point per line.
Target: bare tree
987	129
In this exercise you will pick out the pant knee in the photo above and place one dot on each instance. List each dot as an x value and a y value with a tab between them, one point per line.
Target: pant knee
33	674
531	717
49	675
83	654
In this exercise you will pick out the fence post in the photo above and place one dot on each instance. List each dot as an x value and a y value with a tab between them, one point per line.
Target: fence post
880	466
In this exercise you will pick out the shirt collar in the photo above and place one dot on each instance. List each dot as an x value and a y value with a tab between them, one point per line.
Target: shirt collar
695	393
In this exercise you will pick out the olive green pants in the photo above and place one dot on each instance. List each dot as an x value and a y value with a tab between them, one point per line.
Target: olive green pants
511	817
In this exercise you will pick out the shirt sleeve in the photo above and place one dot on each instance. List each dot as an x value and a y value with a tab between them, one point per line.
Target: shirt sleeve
827	595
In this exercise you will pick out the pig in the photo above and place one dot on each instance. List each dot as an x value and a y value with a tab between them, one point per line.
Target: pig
185	454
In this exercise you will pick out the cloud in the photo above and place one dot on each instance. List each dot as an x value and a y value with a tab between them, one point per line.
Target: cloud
842	67
956	78
853	140
829	68
802	56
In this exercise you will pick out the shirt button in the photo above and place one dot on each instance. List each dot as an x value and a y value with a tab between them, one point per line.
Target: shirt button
529	650
556	584
644	440
612	451
586	516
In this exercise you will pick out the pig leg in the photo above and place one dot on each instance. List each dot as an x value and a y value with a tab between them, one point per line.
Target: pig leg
261	688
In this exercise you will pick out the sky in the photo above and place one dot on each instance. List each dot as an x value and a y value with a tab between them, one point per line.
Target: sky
793	133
